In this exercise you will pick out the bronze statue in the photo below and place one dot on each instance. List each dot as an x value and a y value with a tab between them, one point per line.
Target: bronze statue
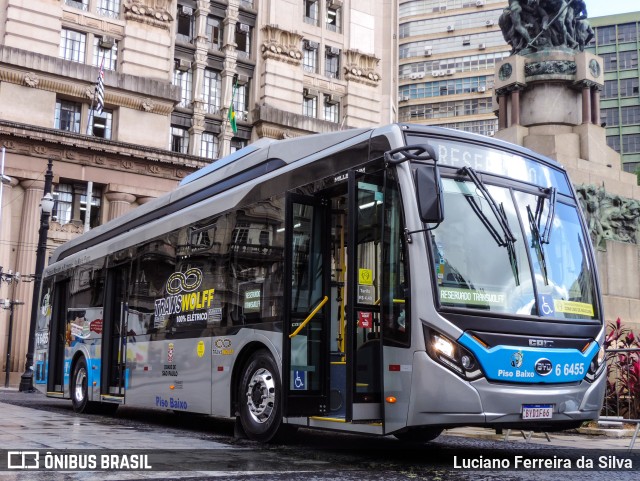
532	25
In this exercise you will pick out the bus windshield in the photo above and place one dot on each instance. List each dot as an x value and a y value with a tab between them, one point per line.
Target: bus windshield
525	257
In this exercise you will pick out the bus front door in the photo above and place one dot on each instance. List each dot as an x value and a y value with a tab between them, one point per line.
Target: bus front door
364	274
305	333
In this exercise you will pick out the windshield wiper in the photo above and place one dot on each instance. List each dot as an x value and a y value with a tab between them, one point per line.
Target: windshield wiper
502	219
500	215
536	244
546	233
511	250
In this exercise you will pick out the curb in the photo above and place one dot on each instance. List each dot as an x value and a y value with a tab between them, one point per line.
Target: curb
608	432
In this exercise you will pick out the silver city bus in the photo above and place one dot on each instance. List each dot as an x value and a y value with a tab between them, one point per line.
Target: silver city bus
395	280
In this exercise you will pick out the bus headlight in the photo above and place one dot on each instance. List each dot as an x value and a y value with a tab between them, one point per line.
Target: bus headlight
597	366
451	355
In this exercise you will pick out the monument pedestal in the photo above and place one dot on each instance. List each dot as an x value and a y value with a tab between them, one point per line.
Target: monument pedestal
548	101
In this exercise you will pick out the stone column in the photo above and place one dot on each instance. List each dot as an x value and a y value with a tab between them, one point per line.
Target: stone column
119	203
25	264
595	106
586	104
502	111
6	290
515	107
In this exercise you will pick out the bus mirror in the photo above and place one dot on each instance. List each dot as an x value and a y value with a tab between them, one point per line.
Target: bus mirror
429	194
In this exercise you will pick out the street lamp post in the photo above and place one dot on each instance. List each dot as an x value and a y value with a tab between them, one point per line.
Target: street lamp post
9	304
46	204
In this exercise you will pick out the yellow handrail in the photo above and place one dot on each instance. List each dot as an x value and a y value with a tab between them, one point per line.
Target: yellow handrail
309	317
395	301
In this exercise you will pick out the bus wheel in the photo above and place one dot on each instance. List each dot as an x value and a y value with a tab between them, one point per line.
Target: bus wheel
79	390
259	394
418	435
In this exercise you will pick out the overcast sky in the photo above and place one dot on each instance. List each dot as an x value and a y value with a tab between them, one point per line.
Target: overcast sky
599	8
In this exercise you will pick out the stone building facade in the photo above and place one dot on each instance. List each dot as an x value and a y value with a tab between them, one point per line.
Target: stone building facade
171	71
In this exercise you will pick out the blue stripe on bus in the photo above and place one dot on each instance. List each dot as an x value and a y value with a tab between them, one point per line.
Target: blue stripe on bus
525	364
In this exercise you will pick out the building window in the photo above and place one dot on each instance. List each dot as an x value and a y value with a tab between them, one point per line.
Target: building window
610	61
70	204
183	79
79	4
73	45
628	60
614	142
611	117
631	167
331	109
108	8
334	20
240	101
332	62
311	11
68	116
211	86
237	144
606	35
215	32
243	40
63	202
209	146
629	87
103	50
310	60
310	107
627	33
629	115
185	24
631	144
610	89
179	140
102	124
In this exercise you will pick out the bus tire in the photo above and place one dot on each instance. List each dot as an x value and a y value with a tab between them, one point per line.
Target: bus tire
79	387
260	398
418	435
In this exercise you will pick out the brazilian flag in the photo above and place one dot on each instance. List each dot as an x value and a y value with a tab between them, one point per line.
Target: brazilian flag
232	111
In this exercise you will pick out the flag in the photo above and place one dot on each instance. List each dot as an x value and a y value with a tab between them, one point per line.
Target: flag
100	89
232	111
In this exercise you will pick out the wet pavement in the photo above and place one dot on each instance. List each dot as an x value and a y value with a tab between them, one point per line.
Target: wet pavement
196	447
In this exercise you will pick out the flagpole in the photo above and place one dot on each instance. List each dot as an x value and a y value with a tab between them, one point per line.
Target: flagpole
93	97
228	121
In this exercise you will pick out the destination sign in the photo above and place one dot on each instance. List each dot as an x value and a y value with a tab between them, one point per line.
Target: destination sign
495	161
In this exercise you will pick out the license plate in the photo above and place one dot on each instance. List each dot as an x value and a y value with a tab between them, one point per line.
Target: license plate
537	411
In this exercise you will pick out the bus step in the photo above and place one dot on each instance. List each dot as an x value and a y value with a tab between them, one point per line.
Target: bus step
367	421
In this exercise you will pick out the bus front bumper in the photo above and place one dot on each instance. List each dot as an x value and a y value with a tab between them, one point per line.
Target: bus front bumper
440	397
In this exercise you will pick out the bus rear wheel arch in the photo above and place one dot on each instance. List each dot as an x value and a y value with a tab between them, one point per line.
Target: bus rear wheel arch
259	397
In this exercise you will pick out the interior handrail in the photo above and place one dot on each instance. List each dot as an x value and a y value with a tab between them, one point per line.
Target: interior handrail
309	317
395	301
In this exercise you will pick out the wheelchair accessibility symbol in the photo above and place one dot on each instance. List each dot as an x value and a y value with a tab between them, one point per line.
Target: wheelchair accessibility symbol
299	380
547	308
